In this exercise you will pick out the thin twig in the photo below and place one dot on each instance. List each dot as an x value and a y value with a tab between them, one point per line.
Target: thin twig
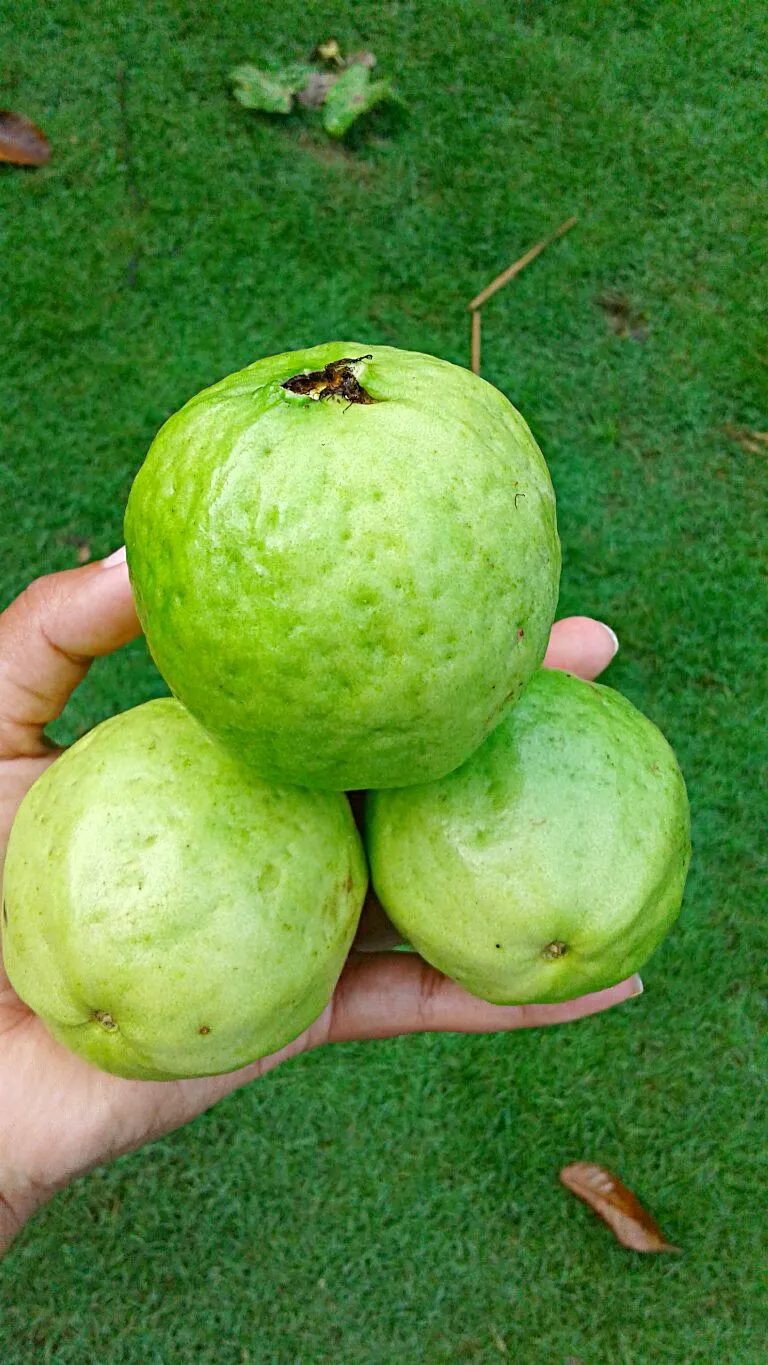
517	266
475	340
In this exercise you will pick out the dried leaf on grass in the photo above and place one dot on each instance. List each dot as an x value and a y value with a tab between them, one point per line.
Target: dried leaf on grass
21	142
605	1194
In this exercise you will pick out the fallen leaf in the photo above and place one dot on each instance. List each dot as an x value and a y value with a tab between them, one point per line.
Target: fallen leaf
314	92
623	320
353	94
270	91
21	142
605	1194
755	442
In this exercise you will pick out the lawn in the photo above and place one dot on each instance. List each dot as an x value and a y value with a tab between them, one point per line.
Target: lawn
398	1202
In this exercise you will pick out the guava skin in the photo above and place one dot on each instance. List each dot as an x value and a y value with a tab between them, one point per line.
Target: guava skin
346	594
552	862
166	913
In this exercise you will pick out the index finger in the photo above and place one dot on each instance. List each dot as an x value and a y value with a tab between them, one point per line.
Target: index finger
49	637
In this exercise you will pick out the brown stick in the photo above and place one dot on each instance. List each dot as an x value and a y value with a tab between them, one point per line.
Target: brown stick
517	266
475	340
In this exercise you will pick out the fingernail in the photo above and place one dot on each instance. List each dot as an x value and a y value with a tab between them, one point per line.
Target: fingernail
117	557
615	643
636	982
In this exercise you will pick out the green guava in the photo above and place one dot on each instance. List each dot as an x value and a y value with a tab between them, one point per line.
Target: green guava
346	563
552	862
165	912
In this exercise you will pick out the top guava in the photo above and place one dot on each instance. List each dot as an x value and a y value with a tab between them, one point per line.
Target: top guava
346	563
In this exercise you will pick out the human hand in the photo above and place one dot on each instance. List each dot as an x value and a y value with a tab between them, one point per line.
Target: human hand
59	1116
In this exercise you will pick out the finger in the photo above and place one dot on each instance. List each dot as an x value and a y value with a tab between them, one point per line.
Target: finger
379	996
580	645
388	994
48	638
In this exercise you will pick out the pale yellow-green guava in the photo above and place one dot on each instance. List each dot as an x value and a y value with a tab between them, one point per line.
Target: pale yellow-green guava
346	563
168	914
553	861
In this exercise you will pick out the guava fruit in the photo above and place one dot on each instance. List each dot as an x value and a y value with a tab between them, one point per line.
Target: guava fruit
346	563
168	914
552	862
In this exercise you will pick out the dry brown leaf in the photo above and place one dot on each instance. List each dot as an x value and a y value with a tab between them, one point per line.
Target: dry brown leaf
21	142
605	1194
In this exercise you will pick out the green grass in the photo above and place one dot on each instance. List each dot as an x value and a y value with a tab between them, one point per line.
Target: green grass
398	1202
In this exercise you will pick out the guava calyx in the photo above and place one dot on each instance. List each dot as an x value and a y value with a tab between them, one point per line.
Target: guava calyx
336	380
552	951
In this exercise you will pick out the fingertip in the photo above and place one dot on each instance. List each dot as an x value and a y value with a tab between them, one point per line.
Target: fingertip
111	607
581	645
614	640
627	989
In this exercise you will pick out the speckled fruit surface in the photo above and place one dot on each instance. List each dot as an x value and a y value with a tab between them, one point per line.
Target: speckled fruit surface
348	593
550	864
167	914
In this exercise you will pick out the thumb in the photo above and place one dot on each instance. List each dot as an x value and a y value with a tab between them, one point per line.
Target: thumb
581	645
48	639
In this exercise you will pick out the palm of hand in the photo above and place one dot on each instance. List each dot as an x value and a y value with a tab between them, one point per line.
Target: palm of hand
59	1115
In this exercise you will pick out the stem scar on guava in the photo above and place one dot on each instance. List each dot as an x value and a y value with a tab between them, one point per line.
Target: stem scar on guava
336	380
106	1020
